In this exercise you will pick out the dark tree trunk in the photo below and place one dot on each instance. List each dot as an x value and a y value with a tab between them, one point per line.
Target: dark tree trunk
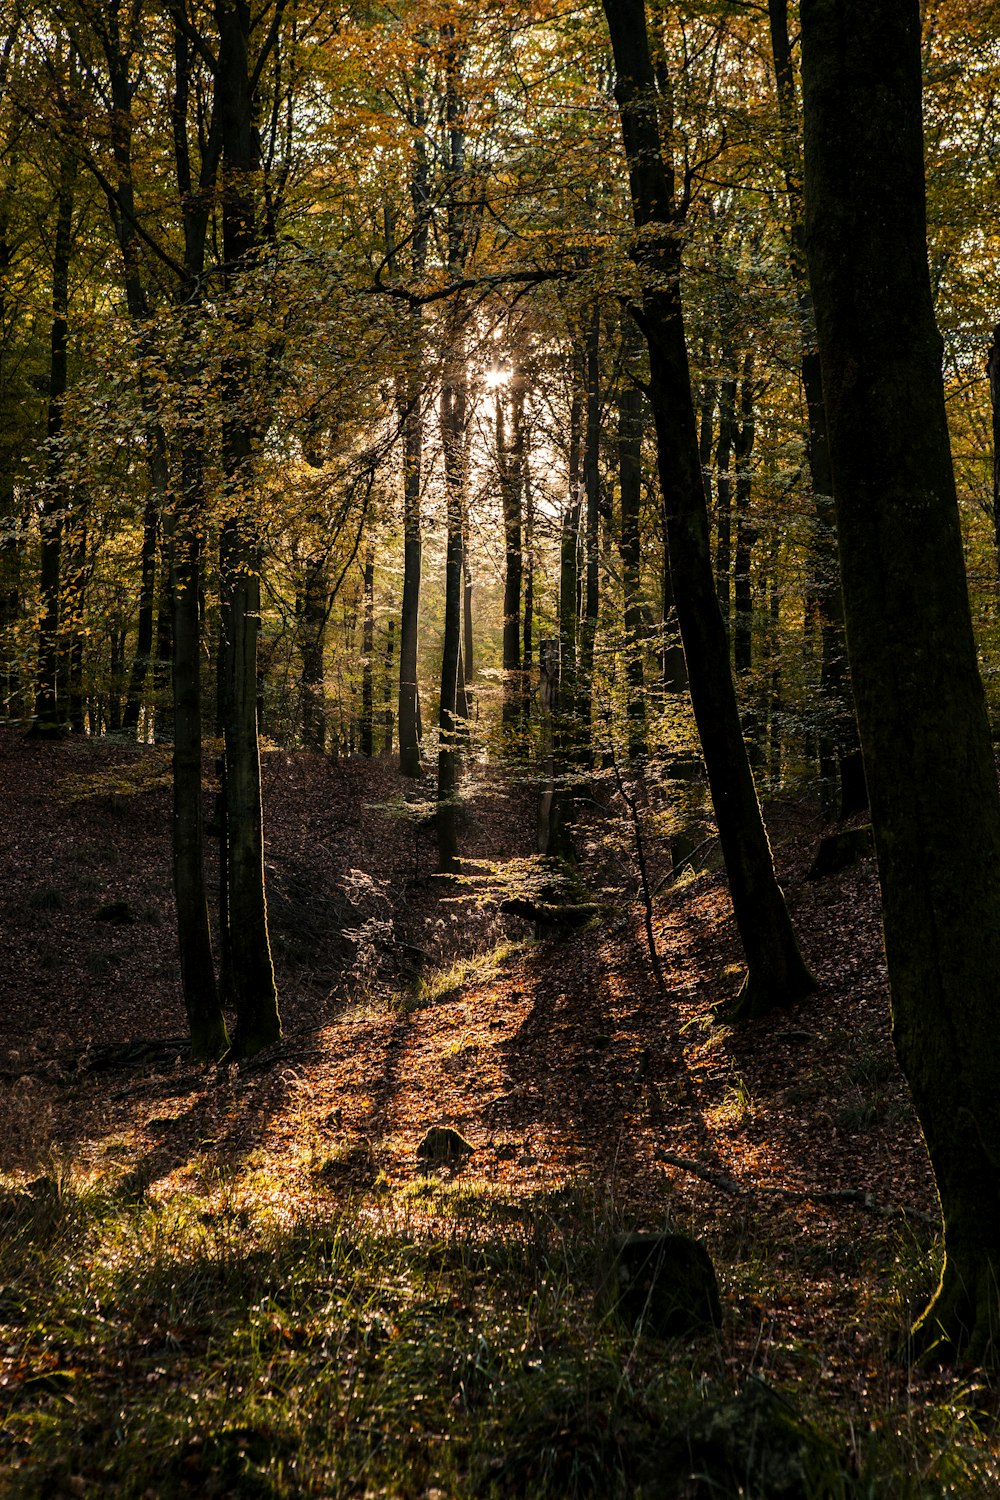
453	401
387	715
312	615
920	702
209	1038
122	208
630	482
77	573
840	766
50	713
746	533
163	712
12	522
569	593
257	1022
724	490
409	727
993	371
777	974
592	491
147	584
528	650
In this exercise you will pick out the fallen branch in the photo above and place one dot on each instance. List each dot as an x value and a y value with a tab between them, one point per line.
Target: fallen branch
857	1196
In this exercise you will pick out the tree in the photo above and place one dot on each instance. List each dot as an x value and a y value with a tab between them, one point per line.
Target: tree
777	974
920	703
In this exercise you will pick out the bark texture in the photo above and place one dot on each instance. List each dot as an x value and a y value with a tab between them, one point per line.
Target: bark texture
920	703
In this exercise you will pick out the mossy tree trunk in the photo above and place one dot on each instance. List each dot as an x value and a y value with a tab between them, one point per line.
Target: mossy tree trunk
920	702
777	974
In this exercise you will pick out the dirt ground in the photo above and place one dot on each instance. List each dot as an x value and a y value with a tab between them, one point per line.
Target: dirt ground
558	1060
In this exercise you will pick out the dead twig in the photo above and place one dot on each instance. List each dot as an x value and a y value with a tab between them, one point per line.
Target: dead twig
857	1196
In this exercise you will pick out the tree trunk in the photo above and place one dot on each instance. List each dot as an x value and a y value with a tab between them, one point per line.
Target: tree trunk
630	482
777	974
387	716
209	1038
312	614
367	735
453	402
724	489
163	713
409	703
77	575
993	371
147	585
257	1022
746	533
409	727
920	702
592	491
508	462
841	771
50	713
569	593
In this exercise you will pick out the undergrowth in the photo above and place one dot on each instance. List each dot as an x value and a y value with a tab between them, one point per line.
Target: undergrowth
198	1346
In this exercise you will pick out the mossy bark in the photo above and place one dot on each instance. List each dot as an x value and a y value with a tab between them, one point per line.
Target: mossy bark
920	704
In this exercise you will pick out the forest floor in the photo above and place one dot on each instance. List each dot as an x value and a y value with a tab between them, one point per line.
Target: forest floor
242	1280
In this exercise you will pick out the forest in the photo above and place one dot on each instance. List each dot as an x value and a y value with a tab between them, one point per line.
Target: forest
499	684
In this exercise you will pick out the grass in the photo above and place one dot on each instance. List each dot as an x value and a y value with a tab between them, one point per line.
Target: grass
400	1342
474	972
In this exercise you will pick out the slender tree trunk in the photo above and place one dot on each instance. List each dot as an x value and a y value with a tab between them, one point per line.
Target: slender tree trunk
920	702
569	591
163	713
777	974
409	727
311	630
147	583
993	371
630	482
409	703
387	715
74	602
592	491
50	713
724	489
528	648
508	462
746	533
453	402
367	736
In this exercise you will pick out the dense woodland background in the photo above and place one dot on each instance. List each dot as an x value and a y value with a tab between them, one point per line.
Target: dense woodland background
402	486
